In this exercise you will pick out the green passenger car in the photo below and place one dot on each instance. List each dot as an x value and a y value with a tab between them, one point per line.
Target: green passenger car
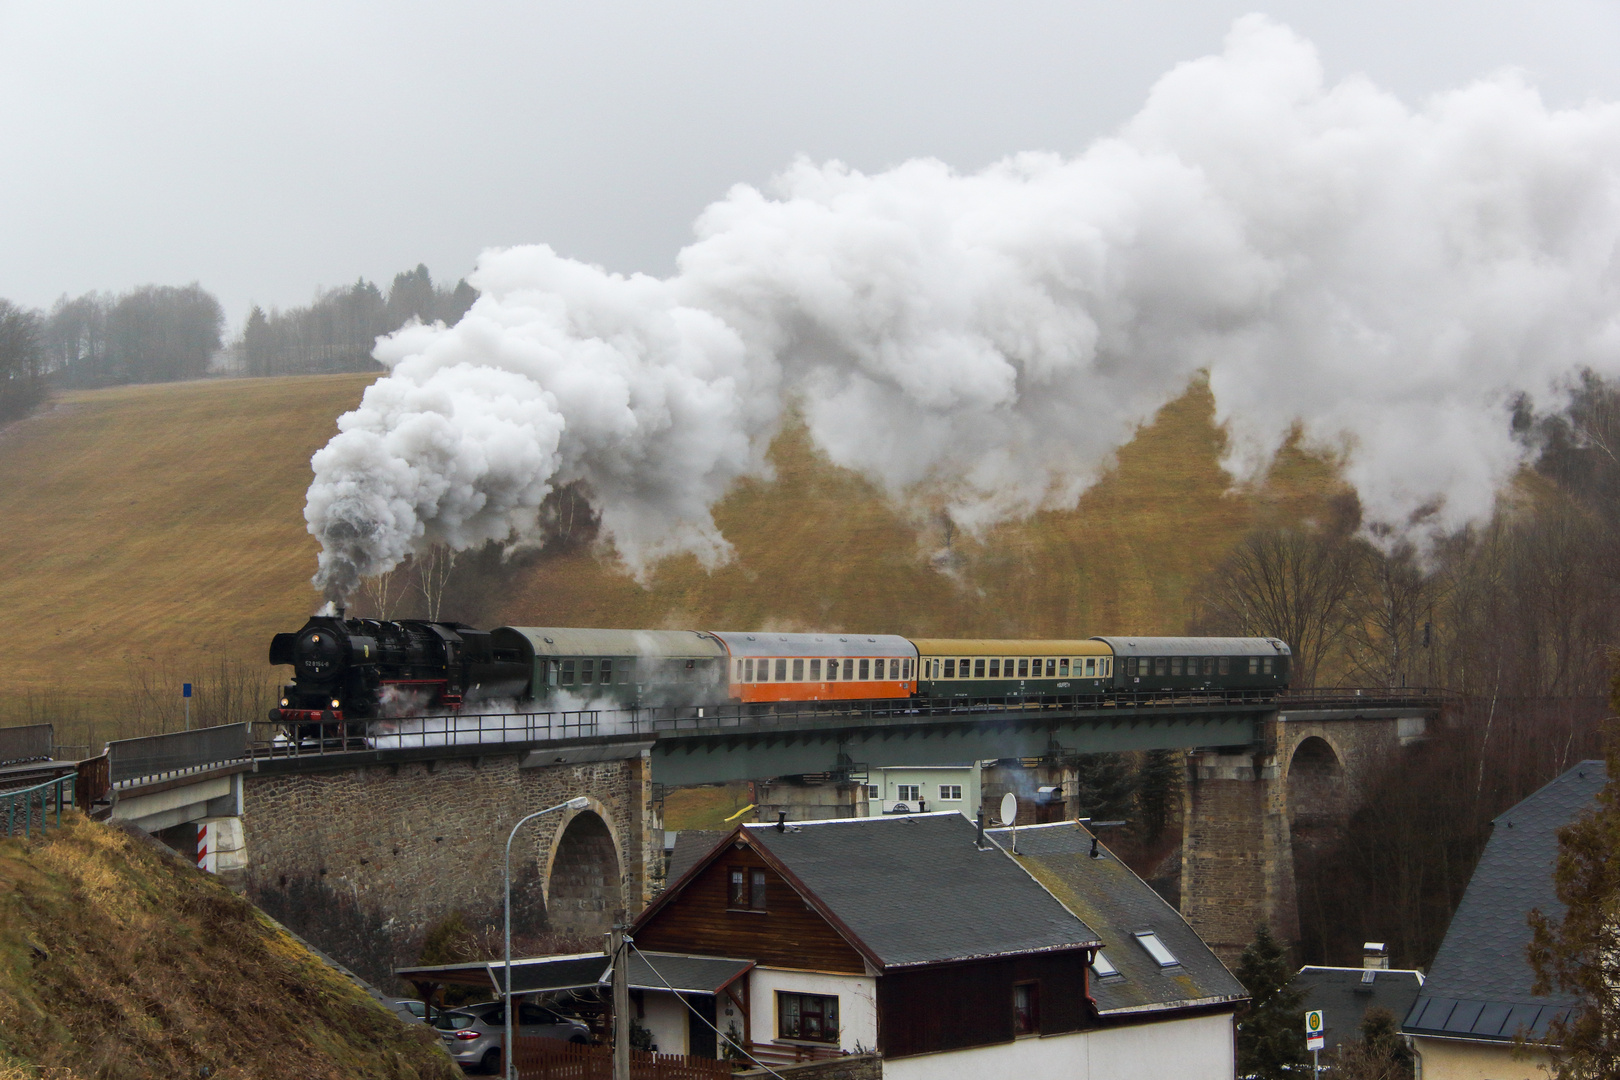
990	670
578	668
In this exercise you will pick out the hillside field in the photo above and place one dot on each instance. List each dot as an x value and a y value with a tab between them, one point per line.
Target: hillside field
152	530
118	961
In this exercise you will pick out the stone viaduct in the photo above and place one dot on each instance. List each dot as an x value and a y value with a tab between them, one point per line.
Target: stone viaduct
1248	810
423	833
417	833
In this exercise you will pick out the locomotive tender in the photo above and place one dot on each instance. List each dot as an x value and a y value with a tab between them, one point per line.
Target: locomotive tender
362	669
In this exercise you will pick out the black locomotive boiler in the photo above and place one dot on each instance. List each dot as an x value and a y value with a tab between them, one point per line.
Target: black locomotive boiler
354	670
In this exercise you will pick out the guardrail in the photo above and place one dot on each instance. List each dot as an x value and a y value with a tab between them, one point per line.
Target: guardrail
31	742
52	793
156	756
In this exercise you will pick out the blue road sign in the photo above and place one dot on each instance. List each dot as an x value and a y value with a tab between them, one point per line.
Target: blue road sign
185	689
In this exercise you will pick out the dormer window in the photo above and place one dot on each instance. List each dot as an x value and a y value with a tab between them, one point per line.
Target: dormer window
1156	948
747	889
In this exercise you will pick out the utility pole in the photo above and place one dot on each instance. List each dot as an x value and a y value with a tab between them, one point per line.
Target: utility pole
618	944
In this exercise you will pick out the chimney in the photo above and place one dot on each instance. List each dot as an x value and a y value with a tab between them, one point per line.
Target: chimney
979	843
1375	956
781	821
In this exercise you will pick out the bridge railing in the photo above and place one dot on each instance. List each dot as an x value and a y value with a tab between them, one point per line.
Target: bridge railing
31	742
271	739
1383	695
154	757
49	796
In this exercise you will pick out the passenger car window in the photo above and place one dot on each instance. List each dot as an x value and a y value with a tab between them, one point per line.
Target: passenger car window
995	668
950	668
781	671
568	673
1175	665
1023	668
978	669
798	671
607	672
587	672
866	670
1051	667
815	671
1063	667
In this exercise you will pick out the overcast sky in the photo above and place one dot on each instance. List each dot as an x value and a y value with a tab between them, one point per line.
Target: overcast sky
266	149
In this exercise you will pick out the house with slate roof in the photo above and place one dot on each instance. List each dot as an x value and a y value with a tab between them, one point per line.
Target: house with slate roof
916	936
1477	996
1345	994
1153	968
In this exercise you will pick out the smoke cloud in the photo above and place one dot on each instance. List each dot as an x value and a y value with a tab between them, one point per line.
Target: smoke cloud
1388	278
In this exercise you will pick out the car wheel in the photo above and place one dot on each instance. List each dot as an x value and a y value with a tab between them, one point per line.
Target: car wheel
578	1040
491	1061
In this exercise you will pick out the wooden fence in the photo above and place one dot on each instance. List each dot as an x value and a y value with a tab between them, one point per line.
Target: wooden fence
553	1059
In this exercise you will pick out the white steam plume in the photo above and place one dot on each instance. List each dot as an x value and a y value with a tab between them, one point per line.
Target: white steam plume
1389	278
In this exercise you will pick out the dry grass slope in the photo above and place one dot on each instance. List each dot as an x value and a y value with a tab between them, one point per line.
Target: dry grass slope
163	525
159	522
118	961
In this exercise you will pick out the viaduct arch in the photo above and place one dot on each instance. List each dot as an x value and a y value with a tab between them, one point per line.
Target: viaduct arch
414	840
1249	812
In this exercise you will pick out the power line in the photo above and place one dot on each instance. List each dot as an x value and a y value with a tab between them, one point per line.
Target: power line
629	942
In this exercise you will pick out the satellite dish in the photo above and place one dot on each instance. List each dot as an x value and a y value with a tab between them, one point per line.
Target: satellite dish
1009	808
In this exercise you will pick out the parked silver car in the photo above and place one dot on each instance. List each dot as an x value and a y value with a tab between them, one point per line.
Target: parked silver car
418	1010
474	1034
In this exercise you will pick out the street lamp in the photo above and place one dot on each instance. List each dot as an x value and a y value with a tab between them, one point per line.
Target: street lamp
578	803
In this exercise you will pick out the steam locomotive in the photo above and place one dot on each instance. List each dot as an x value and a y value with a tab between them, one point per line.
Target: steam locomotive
357	670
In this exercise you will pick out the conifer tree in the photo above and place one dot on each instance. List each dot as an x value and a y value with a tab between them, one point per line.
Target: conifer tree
1271	1027
1158	784
1380	1053
1103	786
1581	952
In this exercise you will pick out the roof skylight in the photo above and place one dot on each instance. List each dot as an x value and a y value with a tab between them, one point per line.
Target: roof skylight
1156	948
1102	965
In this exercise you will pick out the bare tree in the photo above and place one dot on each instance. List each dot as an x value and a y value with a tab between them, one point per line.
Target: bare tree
384	590
22	361
433	568
1390	636
1290	583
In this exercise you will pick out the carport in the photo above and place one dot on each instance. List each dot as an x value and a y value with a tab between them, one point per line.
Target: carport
662	985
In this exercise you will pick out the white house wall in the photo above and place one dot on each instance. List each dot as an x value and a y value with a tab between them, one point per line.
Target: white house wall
928	778
857	1003
1195	1048
666	1019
